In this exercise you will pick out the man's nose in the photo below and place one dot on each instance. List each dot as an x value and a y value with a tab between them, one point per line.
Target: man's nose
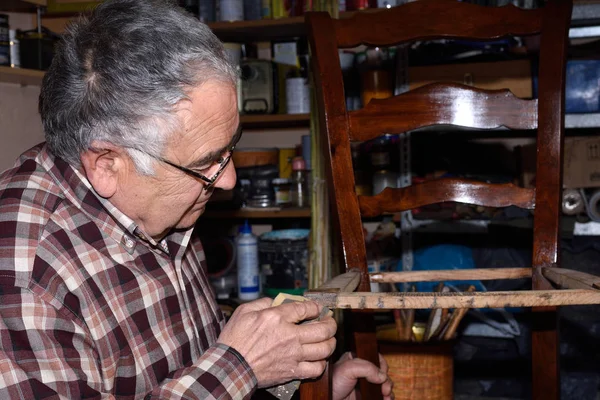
228	178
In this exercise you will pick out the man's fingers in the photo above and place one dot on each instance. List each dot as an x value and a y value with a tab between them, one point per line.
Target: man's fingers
309	370
318	351
383	365
359	368
317	331
346	356
299	311
256	305
387	389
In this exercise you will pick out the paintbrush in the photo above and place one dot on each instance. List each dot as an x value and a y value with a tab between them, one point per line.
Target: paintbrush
455	319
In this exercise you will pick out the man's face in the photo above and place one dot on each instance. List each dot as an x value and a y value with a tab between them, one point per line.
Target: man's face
172	198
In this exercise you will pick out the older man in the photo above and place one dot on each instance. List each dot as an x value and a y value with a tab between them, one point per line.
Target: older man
102	285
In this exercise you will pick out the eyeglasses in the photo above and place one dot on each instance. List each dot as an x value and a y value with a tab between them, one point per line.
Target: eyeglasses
222	162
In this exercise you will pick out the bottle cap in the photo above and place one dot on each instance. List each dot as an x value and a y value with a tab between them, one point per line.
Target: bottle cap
298	164
246	228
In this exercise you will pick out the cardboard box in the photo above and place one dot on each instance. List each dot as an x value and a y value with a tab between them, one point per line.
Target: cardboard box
514	75
581	164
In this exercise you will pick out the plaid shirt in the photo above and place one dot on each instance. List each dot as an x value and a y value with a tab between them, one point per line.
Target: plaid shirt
90	308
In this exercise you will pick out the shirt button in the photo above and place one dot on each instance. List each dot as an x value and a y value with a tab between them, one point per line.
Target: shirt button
128	242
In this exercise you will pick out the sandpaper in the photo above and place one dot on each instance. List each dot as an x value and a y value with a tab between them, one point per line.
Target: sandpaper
287	390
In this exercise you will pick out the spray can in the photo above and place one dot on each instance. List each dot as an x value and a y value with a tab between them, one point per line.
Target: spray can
247	264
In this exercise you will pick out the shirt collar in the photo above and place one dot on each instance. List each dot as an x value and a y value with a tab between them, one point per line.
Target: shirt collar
110	219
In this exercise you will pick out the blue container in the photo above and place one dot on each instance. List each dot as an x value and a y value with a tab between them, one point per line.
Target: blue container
582	89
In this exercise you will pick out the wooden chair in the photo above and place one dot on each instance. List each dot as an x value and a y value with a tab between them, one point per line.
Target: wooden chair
456	104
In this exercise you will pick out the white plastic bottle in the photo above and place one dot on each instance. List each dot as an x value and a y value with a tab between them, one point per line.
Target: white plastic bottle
247	264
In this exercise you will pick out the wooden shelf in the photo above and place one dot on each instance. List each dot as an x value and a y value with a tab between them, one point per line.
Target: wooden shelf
268	213
259	30
21	5
21	76
24	76
584	120
267	29
271	121
235	31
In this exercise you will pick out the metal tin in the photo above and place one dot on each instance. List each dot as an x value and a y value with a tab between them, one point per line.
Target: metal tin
283	189
297	96
4	40
252	10
232	10
207	11
15	54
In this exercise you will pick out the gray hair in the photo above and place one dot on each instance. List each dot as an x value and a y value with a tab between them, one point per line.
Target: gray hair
118	73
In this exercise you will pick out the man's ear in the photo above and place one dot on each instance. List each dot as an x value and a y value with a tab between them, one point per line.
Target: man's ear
103	165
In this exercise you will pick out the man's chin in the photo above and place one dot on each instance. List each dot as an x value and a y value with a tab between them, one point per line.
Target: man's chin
189	220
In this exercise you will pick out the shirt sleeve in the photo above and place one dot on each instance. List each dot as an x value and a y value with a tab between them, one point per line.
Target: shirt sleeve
45	354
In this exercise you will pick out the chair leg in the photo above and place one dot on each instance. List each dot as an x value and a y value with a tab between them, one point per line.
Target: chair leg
318	389
365	344
545	355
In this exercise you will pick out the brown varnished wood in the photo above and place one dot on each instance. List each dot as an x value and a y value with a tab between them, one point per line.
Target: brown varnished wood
317	389
446	189
430	19
546	226
439	104
413	22
337	152
333	120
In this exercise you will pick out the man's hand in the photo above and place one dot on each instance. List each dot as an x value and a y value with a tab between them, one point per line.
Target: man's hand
347	371
276	348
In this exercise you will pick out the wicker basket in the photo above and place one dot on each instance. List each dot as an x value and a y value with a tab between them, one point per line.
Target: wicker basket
423	371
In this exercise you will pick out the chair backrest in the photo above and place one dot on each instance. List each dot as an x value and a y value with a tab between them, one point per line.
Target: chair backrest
444	103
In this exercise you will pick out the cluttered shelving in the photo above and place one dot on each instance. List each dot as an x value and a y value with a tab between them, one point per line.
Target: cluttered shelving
274	121
33	77
258	213
21	76
22	5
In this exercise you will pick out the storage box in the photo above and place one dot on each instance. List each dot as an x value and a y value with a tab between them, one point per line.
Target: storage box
514	75
582	162
581	165
582	89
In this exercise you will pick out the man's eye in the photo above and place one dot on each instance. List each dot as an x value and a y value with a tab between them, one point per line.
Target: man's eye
203	168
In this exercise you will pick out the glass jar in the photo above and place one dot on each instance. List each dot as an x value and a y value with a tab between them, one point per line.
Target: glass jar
282	188
299	183
383	179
